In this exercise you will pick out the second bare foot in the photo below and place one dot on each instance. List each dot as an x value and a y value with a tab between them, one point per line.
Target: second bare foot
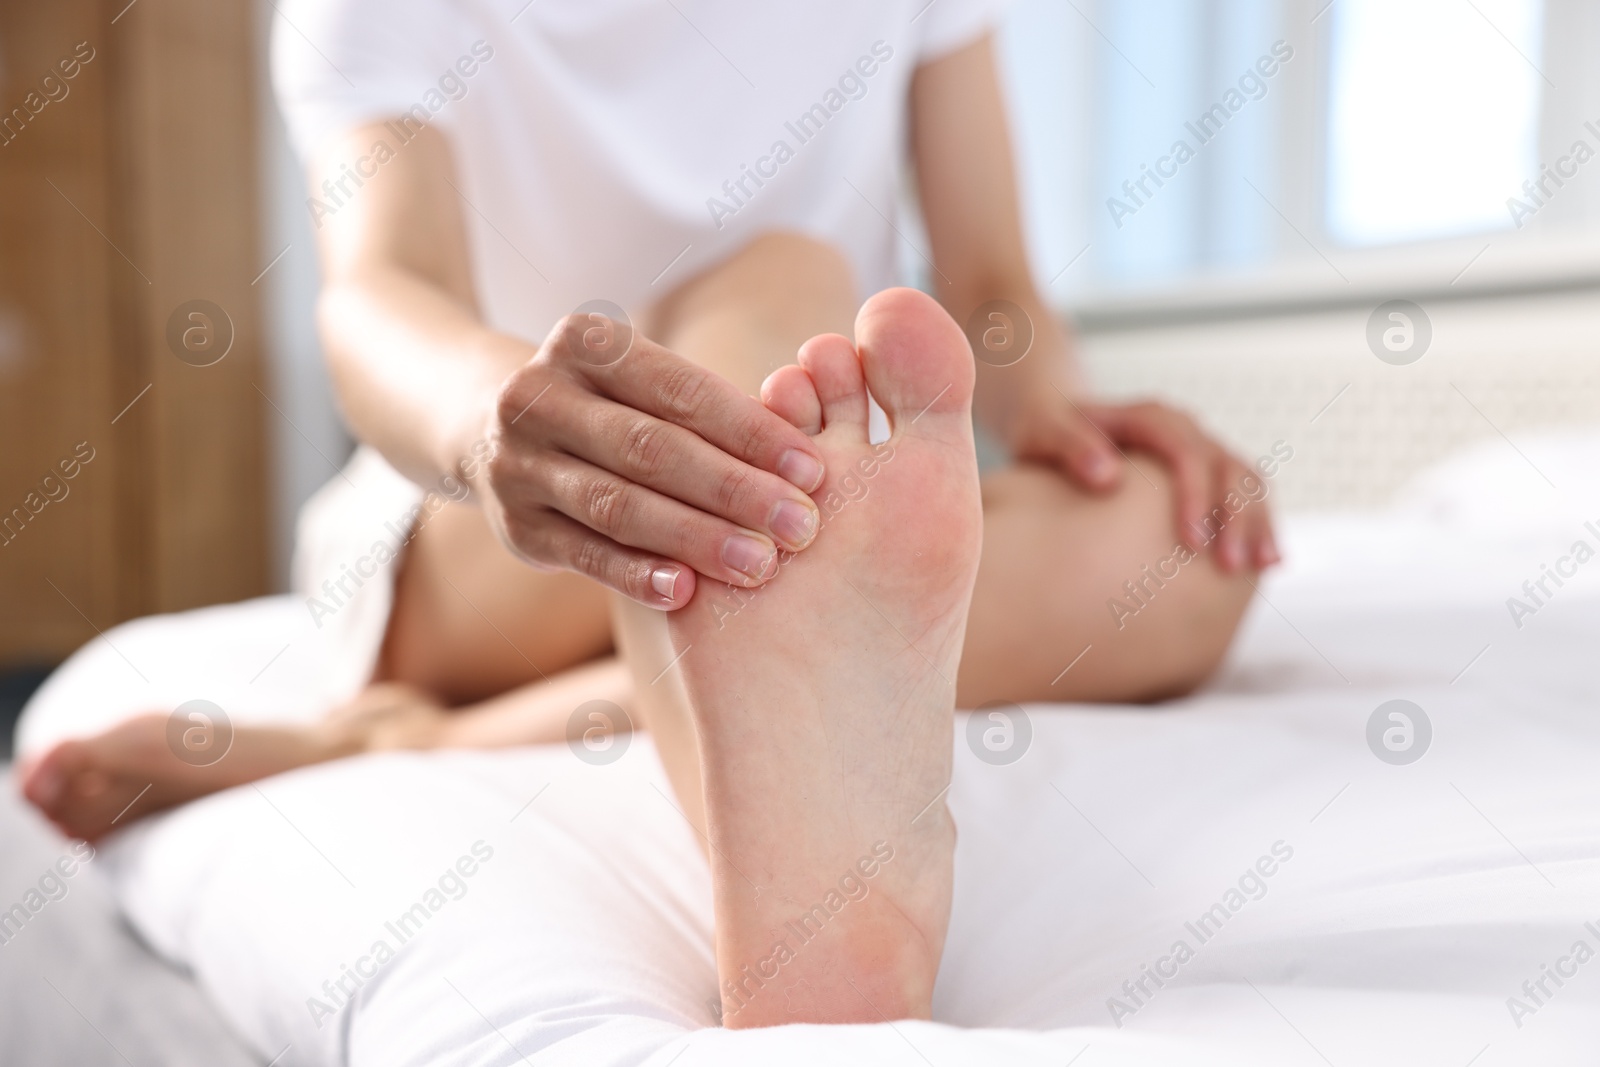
90	786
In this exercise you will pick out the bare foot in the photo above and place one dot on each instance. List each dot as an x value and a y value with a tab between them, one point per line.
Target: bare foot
824	701
92	786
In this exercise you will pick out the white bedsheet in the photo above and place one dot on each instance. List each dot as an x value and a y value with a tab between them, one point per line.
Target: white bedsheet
1416	901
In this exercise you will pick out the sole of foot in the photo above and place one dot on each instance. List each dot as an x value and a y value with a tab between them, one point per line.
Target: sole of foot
823	701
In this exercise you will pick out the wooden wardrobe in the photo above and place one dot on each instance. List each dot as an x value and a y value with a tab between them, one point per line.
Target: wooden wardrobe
132	458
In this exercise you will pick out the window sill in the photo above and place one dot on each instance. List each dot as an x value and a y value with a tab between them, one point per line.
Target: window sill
1484	267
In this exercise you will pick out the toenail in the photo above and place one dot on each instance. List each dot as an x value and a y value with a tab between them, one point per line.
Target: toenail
664	580
747	555
800	470
793	524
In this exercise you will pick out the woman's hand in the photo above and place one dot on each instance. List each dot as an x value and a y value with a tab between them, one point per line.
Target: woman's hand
608	455
1086	441
596	451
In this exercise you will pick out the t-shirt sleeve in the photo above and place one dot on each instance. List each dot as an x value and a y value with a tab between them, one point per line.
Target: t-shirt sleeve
946	25
337	64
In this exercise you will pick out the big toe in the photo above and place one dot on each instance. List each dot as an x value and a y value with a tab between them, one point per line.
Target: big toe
917	360
46	780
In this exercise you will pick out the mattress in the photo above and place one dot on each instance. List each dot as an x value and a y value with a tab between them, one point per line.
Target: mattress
77	988
1275	870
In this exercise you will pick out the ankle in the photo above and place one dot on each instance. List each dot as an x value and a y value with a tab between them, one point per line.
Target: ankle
382	718
338	738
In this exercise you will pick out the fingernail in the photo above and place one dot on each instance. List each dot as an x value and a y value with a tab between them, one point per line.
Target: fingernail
1098	466
747	555
1232	555
664	580
794	524
800	470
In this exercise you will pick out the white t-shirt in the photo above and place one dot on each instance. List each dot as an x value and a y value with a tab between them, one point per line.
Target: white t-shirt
611	149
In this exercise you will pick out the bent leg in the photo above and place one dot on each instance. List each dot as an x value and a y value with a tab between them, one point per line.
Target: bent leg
1069	574
471	621
88	787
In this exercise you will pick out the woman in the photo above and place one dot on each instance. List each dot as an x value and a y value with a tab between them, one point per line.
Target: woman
791	609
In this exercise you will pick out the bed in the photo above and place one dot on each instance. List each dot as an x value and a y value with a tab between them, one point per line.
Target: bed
1343	894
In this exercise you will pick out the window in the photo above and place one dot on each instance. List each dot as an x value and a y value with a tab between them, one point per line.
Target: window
1319	134
1433	116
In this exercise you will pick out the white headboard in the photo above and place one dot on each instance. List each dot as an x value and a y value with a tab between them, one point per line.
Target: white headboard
1496	366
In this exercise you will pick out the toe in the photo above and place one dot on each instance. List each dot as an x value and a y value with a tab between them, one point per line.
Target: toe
47	781
789	393
917	361
835	372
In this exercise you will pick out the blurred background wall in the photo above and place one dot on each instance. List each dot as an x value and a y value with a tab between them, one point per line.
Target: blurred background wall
132	458
1377	161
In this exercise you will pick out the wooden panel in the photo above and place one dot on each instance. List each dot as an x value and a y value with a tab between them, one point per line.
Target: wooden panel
132	194
58	565
188	153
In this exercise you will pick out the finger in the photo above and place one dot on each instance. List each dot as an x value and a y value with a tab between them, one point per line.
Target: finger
1232	544
666	385
1083	450
643	577
682	466
636	517
789	392
1172	438
1263	540
1259	550
1268	554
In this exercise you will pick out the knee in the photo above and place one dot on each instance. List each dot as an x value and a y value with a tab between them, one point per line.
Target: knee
1188	607
763	302
778	273
1159	617
797	257
804	284
1195	633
